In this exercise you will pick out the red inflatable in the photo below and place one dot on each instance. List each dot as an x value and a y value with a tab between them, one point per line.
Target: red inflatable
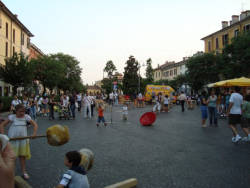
148	118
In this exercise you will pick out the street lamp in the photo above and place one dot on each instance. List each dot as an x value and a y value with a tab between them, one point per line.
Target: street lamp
139	80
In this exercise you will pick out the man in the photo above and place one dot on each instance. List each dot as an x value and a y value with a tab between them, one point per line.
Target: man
87	106
111	98
79	101
234	113
182	99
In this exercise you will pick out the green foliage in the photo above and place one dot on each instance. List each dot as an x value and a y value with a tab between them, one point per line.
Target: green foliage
161	82
202	70
130	79
110	68
6	102
17	71
149	71
236	57
107	85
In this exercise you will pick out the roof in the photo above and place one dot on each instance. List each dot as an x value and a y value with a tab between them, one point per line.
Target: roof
170	65
166	64
228	27
37	49
14	18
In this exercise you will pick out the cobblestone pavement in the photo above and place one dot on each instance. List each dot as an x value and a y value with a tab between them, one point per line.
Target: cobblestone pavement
176	152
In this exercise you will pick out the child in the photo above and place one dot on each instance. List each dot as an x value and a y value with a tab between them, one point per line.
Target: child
166	103
125	112
18	128
76	175
100	115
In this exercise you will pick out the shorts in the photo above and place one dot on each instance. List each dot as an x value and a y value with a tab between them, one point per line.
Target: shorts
234	119
100	119
203	112
245	122
166	105
140	101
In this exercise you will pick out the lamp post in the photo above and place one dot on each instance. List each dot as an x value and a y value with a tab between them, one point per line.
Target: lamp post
139	80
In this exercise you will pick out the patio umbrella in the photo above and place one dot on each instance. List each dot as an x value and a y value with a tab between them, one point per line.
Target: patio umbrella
242	82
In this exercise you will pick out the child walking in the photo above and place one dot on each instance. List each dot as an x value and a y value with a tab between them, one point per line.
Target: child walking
100	116
18	128
125	112
76	175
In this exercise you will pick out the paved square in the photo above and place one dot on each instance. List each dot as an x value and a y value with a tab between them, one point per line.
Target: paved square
176	152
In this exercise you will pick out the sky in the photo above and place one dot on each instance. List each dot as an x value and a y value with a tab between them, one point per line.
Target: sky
96	31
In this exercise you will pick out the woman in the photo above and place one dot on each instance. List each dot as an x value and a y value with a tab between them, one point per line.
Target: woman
18	128
203	108
212	109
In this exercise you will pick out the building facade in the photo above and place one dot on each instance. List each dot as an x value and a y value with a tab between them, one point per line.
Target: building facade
216	41
14	38
170	70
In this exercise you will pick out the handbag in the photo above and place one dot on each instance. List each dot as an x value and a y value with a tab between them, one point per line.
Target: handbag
76	104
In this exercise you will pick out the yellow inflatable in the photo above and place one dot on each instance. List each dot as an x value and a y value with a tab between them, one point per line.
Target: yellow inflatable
155	89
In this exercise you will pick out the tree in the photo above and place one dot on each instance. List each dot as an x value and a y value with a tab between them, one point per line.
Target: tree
17	71
107	85
202	70
48	71
71	73
236	57
110	68
130	79
149	71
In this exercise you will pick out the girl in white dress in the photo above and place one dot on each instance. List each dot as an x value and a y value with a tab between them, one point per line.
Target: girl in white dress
18	128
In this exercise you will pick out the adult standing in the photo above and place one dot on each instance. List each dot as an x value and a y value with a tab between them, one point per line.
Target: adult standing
72	101
79	101
111	98
92	104
234	113
87	106
203	108
212	108
51	107
245	123
182	99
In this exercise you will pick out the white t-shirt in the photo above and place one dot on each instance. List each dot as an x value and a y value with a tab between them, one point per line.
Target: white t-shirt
87	100
111	96
40	101
79	97
65	102
16	102
125	110
165	100
237	101
140	96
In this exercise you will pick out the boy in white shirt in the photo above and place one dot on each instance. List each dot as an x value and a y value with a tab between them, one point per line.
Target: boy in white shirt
125	112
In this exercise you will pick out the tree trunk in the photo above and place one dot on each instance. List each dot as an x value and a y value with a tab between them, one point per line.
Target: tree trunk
15	90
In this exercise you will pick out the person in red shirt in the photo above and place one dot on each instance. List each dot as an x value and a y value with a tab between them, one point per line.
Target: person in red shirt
100	116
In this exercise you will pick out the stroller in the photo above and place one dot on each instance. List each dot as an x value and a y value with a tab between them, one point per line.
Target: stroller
64	112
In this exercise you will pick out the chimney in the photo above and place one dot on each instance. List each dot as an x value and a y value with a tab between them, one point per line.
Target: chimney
16	15
231	22
243	15
224	24
235	18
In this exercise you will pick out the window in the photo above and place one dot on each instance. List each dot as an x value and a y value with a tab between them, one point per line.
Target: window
6	49
171	72
225	39
14	36
7	28
28	42
167	73
175	71
13	50
156	75
209	46
159	74
22	38
247	28
217	43
236	33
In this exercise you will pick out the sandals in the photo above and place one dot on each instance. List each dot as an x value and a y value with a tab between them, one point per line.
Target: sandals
26	176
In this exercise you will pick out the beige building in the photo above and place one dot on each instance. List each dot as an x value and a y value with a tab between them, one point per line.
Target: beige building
216	41
14	37
170	70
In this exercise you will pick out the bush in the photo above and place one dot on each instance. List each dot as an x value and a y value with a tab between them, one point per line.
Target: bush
6	103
